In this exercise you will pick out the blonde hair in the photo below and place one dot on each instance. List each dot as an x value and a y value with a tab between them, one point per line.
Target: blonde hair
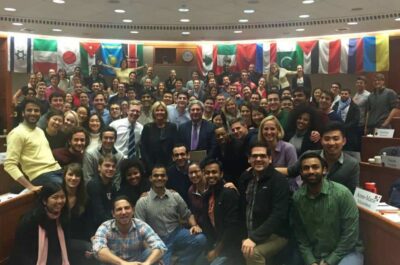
75	115
281	132
155	106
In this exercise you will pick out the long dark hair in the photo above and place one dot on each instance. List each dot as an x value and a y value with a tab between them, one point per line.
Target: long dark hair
81	196
299	110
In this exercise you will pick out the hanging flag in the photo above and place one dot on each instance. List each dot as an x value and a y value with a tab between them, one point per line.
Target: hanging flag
266	54
307	56
44	55
286	54
68	55
245	55
112	55
355	57
226	56
134	54
330	52
376	53
20	54
206	56
88	52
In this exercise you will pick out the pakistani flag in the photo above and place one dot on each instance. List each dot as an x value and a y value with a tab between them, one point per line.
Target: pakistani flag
20	54
226	56
88	52
44	55
68	55
287	56
205	58
112	54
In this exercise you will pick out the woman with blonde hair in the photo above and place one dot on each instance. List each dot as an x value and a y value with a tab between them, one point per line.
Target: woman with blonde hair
231	110
271	133
277	76
71	120
158	138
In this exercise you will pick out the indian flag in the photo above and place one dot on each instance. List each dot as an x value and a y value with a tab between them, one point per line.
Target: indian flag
226	56
44	55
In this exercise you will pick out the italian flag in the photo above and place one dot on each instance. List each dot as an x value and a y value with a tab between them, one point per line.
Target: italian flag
88	55
44	55
226	56
206	56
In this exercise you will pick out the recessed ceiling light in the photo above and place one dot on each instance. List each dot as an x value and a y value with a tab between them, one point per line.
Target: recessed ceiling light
183	9
57	30
300	30
341	29
238	31
134	32
249	11
352	23
304	16
58	1
127	20
185	20
17	24
243	20
10	9
185	33
121	11
397	19
307	2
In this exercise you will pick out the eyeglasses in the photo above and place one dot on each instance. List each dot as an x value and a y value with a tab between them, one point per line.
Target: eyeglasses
255	156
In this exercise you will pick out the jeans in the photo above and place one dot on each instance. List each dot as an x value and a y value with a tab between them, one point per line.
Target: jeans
188	247
52	176
353	258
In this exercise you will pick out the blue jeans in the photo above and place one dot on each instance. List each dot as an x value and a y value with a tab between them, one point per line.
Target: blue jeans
353	258
188	247
220	260
52	176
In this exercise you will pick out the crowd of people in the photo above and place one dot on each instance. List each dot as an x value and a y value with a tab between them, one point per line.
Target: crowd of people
240	168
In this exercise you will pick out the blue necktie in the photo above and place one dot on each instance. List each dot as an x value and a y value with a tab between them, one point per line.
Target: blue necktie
131	143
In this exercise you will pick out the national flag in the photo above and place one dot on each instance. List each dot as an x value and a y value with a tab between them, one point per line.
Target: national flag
355	57
266	54
307	55
134	54
88	52
20	54
376	53
112	55
286	55
44	55
68	55
245	55
206	56
226	57
330	55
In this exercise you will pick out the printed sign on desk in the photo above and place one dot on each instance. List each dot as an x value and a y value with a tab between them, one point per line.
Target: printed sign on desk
391	161
367	199
384	133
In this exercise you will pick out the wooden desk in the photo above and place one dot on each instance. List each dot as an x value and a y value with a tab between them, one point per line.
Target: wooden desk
10	214
381	239
384	177
370	146
6	182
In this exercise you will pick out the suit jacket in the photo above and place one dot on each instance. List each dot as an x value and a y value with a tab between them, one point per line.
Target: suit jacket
206	137
306	84
351	125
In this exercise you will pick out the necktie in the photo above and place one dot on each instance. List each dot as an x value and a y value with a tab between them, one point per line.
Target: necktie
131	143
195	137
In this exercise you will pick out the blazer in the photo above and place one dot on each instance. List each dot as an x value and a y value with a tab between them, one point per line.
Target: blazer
206	137
307	84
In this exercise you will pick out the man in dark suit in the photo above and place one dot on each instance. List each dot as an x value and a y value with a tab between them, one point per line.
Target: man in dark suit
349	112
197	134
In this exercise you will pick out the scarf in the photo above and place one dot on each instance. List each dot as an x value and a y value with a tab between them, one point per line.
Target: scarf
343	105
43	246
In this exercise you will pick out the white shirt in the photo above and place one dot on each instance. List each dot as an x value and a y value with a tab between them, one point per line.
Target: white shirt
123	127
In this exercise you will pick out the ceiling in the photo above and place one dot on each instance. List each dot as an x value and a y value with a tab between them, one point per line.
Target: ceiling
209	19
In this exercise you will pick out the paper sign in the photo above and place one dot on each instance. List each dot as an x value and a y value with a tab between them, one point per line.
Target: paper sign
391	161
367	199
384	133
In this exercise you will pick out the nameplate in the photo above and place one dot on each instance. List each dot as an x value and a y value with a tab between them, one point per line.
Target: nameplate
366	199
391	161
384	133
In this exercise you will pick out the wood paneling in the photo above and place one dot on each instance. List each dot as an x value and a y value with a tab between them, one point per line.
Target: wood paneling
6	88
370	146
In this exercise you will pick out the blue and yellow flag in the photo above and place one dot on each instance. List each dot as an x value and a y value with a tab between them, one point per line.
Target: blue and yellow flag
112	55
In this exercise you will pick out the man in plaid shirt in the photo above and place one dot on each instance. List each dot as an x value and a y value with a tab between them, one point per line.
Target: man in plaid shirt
123	240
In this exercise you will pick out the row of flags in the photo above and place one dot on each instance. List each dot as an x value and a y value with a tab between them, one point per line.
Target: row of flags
28	55
344	55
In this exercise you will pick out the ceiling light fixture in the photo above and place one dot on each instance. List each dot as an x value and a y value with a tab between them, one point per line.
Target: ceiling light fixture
127	20
352	23
58	1
57	30
10	9
120	11
304	16
17	24
307	2
238	31
243	20
397	19
299	30
134	32
185	33
183	9
185	20
249	11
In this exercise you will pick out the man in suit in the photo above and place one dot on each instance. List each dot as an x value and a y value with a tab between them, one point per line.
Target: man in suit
197	134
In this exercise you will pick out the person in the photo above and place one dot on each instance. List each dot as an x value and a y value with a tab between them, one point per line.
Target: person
77	141
119	96
287	103
329	233
168	98
56	100
221	224
99	107
379	104
32	82
158	138
275	108
41	236
360	98
146	114
197	134
29	159
196	192
325	106
254	76
90	162
94	77
150	75
121	240
190	85
262	87
64	82
95	125
129	130
264	200
178	114
83	115
244	81
115	111
122	72
277	76
342	167
163	210
302	80
53	87
53	132
316	95
197	90
299	97
246	113
335	89
170	82
231	110
134	181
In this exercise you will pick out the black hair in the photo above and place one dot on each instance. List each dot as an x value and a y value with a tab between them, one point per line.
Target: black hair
258	144
299	110
81	196
334	126
109	129
79	129
120	198
328	93
27	101
56	94
211	161
309	155
54	112
125	165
